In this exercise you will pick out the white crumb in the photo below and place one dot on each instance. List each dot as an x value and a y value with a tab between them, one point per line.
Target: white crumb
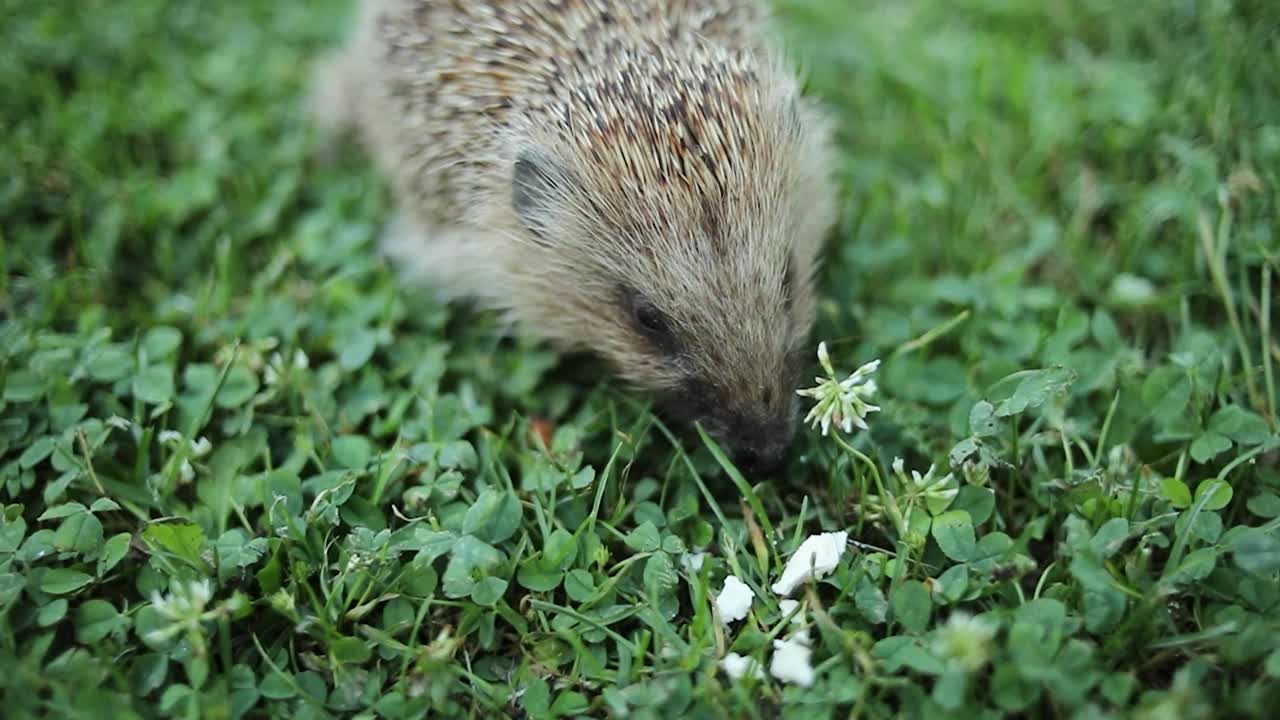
792	661
737	666
734	600
817	556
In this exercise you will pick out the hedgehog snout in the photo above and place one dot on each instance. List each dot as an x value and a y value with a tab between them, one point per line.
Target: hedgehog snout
765	460
758	447
757	441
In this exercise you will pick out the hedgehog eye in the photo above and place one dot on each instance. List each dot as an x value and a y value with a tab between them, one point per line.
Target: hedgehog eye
649	321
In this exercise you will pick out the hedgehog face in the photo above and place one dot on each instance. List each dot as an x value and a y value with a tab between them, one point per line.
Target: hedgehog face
677	235
705	299
726	359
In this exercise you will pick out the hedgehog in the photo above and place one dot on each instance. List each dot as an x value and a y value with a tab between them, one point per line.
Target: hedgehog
643	180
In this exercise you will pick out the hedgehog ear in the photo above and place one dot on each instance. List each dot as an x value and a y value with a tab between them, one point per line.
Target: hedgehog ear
537	184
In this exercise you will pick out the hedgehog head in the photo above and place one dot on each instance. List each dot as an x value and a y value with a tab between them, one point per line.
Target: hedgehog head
669	218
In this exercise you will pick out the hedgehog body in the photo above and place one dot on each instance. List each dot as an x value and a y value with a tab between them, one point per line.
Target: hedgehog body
637	178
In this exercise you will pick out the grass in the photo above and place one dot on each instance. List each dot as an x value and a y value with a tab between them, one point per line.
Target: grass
1060	237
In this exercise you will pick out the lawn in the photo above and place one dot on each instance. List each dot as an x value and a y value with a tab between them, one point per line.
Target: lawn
245	473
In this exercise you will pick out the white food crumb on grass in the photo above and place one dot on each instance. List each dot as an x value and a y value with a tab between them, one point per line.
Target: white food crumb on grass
787	606
737	666
734	600
694	560
817	556
792	661
798	619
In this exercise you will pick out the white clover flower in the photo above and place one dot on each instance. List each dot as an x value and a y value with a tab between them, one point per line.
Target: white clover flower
792	661
283	602
734	600
937	493
358	562
817	556
270	373
184	608
118	422
184	601
201	447
274	368
737	667
965	641
842	403
169	437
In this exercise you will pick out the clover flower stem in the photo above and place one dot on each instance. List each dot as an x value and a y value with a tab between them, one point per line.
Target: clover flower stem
1215	252
931	335
1070	469
859	706
1273	444
1180	472
804	511
1043	576
1106	427
385	473
1013	440
224	640
1132	508
899	574
891	502
88	462
207	411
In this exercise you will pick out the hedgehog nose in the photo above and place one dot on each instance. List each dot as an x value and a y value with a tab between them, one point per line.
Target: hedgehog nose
759	445
761	459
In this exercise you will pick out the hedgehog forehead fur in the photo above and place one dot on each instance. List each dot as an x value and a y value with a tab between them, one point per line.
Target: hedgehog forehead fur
576	162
